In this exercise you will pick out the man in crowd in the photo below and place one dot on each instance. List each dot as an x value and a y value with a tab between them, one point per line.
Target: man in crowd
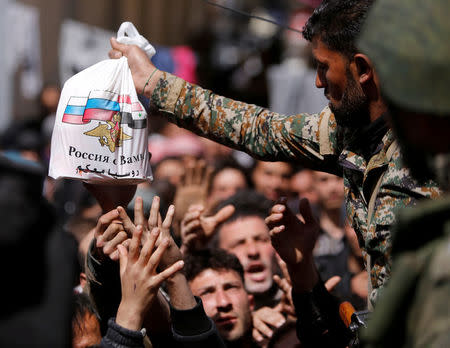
217	277
349	138
272	179
246	235
242	233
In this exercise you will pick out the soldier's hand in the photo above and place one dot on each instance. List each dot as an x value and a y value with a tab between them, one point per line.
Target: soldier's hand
140	66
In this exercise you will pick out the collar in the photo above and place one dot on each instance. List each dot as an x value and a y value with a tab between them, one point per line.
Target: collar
367	149
368	141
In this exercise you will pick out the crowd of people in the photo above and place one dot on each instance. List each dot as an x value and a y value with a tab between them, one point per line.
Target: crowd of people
269	230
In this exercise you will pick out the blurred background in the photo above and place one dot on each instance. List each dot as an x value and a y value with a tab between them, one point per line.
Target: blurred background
47	41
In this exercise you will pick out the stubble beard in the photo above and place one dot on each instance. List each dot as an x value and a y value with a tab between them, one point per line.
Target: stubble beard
353	113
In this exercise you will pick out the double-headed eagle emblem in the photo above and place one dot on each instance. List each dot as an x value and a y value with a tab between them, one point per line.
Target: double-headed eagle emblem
110	134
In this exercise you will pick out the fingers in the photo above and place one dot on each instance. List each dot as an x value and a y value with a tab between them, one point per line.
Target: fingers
331	283
190	238
168	272
128	225
169	218
283	284
191	228
193	213
257	336
156	257
115	254
188	178
135	244
117	46
148	246
111	245
284	269
123	260
104	221
276	216
198	171
154	212
224	213
111	232
139	218
114	54
262	328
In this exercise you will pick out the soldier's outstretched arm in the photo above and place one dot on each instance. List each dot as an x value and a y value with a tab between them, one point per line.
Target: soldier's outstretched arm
308	139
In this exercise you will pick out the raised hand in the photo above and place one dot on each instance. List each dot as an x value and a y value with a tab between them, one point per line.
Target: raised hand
109	233
286	304
197	229
172	253
140	280
265	321
294	242
192	189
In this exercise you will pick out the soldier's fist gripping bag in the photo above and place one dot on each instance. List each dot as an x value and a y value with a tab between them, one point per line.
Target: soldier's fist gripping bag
100	133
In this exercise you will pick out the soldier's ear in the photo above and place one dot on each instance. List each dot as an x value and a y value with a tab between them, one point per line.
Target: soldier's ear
364	68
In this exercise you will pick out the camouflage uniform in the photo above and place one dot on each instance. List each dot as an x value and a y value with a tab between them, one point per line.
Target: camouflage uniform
311	140
412	63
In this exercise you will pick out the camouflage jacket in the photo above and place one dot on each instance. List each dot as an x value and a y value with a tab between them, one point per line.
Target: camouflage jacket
414	310
313	140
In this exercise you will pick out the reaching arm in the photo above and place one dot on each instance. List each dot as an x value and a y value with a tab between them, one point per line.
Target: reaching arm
317	311
308	139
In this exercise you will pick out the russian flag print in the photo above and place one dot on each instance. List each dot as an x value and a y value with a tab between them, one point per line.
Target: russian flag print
102	106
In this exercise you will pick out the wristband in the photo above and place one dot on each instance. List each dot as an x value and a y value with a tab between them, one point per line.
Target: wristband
148	80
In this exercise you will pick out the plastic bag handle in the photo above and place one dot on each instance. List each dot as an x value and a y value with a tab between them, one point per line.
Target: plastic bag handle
127	29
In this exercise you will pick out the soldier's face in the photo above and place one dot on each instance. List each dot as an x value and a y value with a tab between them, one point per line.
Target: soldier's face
336	75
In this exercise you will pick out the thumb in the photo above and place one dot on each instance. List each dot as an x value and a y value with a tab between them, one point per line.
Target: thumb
224	213
305	210
123	259
116	45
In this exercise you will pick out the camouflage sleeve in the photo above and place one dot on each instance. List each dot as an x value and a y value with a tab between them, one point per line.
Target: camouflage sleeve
308	139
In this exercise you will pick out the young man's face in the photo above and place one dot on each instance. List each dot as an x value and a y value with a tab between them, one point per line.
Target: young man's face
227	183
225	301
272	179
330	190
337	75
248	238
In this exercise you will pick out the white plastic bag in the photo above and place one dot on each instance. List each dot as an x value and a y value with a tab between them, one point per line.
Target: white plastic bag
128	34
100	133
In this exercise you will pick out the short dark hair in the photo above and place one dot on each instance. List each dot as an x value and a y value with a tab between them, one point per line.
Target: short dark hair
83	305
211	258
229	163
338	23
247	203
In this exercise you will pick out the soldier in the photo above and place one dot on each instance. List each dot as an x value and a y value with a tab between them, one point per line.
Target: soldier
412	62
349	138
